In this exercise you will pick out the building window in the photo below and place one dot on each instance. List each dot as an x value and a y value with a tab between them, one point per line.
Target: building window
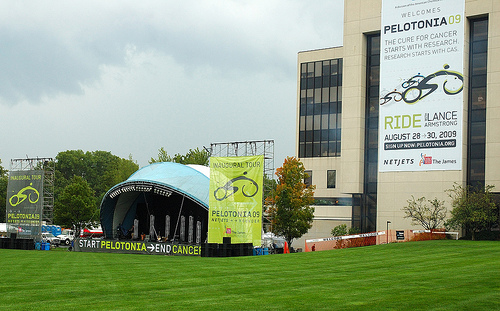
308	178
320	108
331	176
478	54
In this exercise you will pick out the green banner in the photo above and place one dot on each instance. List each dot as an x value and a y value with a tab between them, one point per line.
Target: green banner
235	200
25	202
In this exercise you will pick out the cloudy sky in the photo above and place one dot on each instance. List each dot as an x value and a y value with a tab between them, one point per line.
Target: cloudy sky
130	77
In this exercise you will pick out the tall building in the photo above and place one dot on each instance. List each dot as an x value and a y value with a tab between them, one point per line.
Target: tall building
406	107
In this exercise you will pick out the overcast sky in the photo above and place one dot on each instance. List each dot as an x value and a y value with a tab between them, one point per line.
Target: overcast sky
131	77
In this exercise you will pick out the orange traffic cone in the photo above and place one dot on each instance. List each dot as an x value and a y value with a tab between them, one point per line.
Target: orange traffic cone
286	250
307	248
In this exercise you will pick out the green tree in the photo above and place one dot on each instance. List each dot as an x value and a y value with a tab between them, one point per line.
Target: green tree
474	208
339	230
101	169
430	217
76	206
4	180
289	204
193	156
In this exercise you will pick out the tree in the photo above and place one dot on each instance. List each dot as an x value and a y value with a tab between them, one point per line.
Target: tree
428	216
101	169
4	180
76	206
193	156
289	204
339	230
474	208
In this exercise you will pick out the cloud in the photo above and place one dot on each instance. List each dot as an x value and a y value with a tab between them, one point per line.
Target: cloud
133	76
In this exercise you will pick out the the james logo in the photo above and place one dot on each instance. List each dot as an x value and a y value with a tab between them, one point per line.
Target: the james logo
228	230
424	159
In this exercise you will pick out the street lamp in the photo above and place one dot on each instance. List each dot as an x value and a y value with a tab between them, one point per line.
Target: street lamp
387	232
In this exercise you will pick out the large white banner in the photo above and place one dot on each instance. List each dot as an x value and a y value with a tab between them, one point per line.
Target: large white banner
421	85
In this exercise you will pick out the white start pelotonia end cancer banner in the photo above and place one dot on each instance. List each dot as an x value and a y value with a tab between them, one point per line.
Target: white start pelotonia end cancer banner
421	85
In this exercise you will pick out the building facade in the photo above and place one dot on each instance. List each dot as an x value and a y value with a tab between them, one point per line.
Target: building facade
339	102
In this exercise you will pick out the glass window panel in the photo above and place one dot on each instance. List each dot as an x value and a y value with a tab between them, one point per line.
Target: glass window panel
316	149
310	69
332	149
478	115
324	149
309	136
318	70
302	100
480	30
480	47
333	94
317	121
373	139
324	135
303	93
373	105
309	123
478	81
372	155
477	132
333	121
332	134
310	110
302	123
308	178
331	178
479	64
373	123
302	150
339	94
375	76
325	98
317	135
339	81
317	109
477	151
334	67
338	149
374	61
303	109
324	121
302	136
326	68
317	95
478	98
333	107
339	120
375	45
310	83
317	82
477	169
303	84
334	80
340	62
309	150
325	108
303	69
326	81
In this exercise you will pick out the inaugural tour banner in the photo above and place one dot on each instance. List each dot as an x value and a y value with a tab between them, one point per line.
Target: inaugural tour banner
25	201
236	199
421	85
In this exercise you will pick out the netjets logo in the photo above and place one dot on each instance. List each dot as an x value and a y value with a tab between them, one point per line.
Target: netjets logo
27	192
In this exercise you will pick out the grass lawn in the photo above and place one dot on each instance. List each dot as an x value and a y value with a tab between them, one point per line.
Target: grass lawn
430	275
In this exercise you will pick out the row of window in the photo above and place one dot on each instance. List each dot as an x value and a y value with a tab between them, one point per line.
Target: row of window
320	109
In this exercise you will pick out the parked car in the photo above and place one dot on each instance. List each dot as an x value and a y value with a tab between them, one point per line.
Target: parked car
49	237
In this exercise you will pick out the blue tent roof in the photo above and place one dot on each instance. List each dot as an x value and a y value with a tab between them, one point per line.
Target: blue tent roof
186	179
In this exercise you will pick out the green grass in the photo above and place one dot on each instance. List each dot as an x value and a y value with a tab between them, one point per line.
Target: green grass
431	275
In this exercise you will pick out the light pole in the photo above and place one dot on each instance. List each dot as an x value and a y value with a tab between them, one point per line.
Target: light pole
387	232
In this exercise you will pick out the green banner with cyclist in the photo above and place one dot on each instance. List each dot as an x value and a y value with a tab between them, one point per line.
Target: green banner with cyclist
25	202
235	200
